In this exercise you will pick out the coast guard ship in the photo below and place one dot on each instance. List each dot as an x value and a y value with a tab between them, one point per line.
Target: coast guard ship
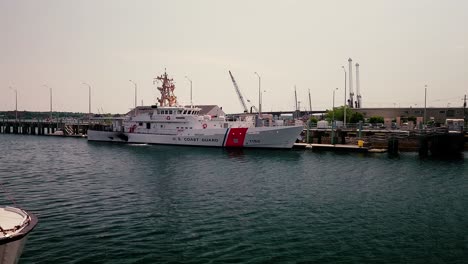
172	124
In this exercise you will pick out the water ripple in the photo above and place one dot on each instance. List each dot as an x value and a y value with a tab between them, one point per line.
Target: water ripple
106	203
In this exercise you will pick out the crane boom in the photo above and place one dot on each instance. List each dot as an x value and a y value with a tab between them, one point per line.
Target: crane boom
241	99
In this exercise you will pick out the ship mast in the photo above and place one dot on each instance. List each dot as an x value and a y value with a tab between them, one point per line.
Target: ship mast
167	90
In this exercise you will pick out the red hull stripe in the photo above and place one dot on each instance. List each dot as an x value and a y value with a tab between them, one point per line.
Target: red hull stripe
236	137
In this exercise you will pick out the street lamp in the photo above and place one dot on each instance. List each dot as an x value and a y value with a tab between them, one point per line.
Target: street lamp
134	84
50	94
425	97
191	103
89	99
344	107
259	93
333	117
16	103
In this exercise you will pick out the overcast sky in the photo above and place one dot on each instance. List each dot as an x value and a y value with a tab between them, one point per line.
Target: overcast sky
400	45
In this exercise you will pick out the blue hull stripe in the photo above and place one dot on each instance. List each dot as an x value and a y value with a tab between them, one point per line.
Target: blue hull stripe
225	135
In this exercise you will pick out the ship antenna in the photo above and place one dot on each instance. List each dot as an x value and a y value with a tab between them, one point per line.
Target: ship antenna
166	89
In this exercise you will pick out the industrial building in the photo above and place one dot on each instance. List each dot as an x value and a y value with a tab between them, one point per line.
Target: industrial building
401	115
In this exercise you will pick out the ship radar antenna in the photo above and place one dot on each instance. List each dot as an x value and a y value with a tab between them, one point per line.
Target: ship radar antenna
166	89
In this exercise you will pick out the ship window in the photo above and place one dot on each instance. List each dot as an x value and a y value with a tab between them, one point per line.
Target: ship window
140	124
148	125
161	126
170	112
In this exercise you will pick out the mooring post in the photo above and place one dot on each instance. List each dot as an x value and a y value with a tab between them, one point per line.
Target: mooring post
360	129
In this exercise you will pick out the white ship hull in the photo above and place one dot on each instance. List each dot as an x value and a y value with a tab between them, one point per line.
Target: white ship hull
253	137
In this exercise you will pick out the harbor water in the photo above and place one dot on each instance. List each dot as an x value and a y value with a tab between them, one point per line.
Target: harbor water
111	203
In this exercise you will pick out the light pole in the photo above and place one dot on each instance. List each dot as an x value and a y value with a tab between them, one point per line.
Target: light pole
345	103
16	103
259	93
50	95
425	97
333	117
135	85
89	99
191	102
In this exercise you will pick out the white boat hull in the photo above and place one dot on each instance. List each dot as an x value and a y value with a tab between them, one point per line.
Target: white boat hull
15	225
254	137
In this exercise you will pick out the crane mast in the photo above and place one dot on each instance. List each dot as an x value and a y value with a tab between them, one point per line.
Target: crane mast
241	99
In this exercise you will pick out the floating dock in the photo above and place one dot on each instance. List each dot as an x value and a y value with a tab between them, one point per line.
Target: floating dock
332	147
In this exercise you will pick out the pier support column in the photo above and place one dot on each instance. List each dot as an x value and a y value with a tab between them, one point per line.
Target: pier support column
343	137
423	146
392	146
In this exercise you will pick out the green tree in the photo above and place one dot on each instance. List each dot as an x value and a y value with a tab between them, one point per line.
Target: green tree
313	120
339	114
356	117
376	119
351	116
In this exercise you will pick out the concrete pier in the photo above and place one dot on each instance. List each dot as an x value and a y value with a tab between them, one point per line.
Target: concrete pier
43	127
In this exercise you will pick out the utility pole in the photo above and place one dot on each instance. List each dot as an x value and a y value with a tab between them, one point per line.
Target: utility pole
89	99
50	95
310	103
465	117
135	85
16	103
295	96
425	99
333	118
50	90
